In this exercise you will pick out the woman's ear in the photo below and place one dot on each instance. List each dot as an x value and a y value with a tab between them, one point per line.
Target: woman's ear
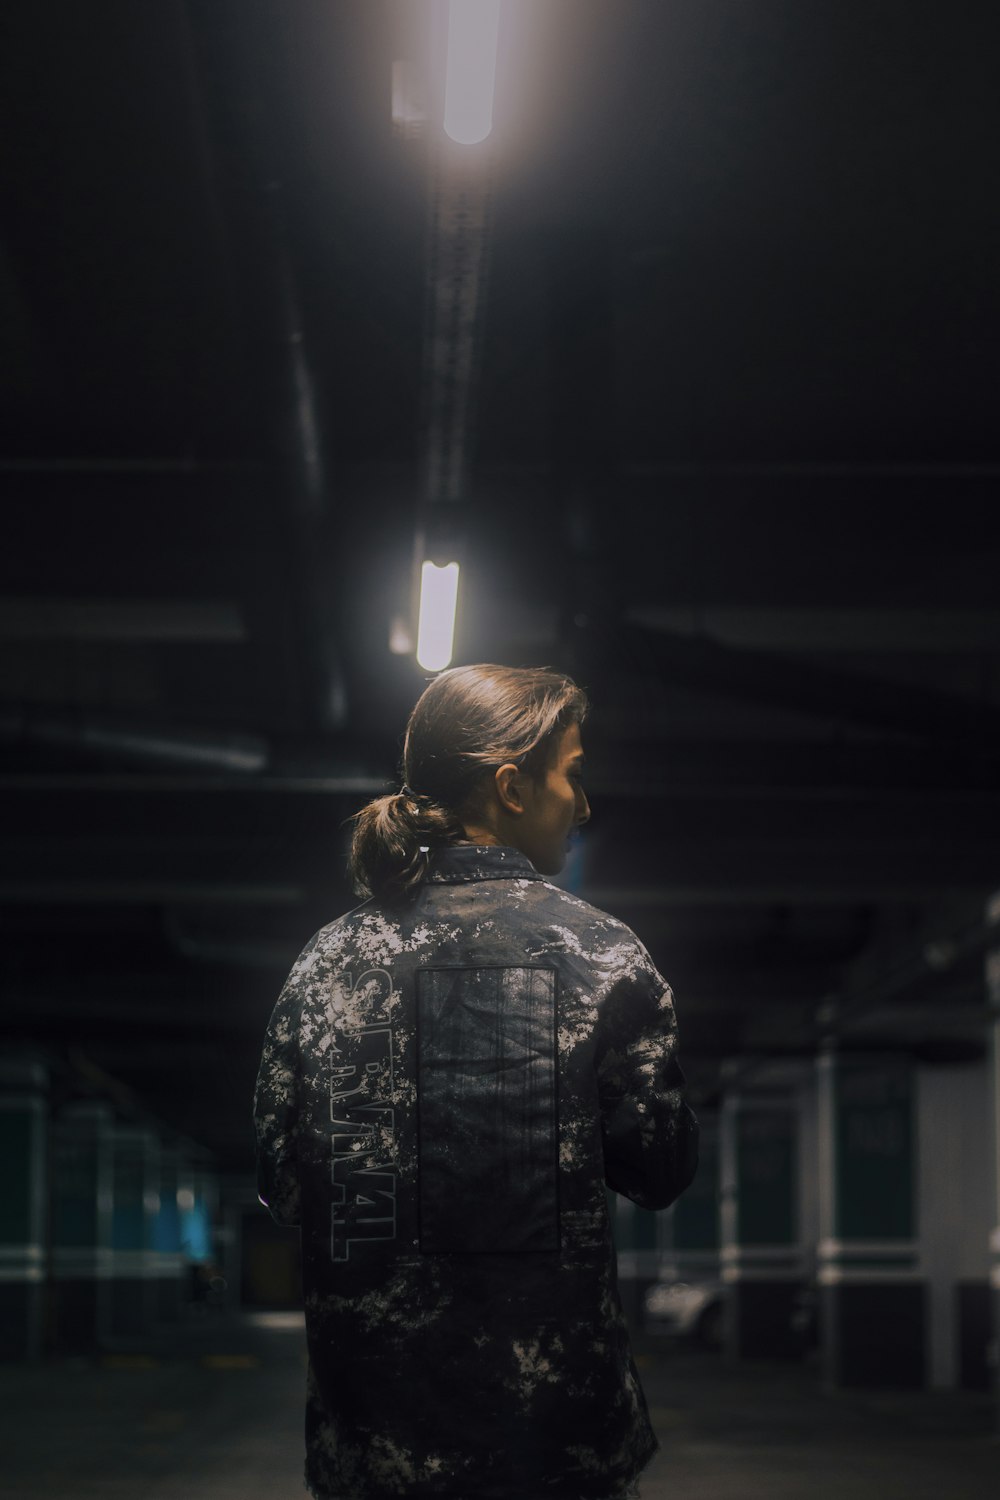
508	787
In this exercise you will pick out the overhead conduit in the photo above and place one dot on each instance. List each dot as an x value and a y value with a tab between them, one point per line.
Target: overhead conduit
108	737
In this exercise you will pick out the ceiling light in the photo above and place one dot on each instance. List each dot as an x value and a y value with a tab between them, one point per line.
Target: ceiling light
436	625
472	66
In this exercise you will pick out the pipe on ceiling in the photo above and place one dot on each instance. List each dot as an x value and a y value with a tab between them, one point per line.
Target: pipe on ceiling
104	736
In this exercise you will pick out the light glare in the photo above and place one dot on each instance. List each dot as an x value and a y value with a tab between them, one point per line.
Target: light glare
472	66
436	627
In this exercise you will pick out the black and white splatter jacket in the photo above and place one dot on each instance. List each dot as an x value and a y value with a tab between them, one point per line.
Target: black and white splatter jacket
444	1091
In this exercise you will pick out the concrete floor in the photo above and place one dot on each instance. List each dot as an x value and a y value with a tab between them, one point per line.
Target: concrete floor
215	1414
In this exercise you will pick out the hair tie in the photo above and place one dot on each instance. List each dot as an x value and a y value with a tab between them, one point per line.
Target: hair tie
407	791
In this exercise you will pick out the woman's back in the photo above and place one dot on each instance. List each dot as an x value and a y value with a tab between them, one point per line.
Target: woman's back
447	1084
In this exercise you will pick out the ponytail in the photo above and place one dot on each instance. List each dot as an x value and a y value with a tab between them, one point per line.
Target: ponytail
392	838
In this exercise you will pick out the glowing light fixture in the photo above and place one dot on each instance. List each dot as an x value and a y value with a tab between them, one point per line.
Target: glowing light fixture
472	66
436	624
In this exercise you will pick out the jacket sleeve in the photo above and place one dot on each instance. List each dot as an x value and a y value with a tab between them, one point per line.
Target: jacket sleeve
276	1108
650	1133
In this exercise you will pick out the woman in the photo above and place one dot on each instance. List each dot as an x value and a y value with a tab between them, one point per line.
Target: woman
452	1073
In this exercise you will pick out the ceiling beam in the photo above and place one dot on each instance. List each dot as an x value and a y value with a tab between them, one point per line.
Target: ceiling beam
821	629
821	693
174	620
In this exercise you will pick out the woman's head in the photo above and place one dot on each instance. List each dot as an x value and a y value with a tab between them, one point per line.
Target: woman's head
468	724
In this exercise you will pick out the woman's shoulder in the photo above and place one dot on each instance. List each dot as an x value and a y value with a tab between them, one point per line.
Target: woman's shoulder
574	912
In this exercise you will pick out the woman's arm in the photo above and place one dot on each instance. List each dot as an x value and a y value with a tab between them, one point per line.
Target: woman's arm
650	1133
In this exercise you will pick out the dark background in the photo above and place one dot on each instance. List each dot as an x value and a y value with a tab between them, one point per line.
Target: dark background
730	458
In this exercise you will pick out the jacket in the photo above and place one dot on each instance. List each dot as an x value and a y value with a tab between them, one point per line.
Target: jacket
445	1090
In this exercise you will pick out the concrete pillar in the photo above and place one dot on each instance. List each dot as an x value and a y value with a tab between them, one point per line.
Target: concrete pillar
23	1149
955	1179
81	1166
873	1317
993	1003
237	1197
763	1260
169	1262
198	1198
135	1206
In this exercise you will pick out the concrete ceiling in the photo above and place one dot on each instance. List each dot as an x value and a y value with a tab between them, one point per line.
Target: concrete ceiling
697	364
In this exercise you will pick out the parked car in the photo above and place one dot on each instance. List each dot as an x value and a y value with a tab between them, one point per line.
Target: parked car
686	1309
695	1310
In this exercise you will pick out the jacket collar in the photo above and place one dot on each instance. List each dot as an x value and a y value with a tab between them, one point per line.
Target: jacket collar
466	862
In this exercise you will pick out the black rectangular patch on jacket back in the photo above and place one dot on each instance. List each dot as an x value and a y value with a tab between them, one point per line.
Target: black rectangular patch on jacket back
486	1101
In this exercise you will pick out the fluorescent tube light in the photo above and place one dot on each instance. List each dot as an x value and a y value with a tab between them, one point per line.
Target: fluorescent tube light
436	626
471	73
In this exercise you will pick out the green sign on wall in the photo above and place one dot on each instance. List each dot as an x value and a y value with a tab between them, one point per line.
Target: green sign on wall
874	1149
74	1172
17	1142
128	1222
766	1197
